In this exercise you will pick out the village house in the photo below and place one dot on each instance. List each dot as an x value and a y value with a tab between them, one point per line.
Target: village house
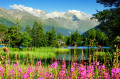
60	42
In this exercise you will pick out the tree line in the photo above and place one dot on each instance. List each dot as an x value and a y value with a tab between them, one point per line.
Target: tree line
91	38
36	37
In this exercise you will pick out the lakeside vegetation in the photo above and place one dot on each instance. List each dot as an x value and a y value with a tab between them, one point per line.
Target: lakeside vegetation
37	53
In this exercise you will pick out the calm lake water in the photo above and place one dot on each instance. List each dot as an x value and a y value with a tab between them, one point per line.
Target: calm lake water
1	46
86	51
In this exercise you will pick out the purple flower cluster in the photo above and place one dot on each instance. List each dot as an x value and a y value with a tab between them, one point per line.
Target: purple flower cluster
54	65
76	70
115	73
1	72
96	63
86	72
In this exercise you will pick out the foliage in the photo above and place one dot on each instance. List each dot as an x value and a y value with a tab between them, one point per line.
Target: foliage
18	25
59	36
109	3
3	32
36	37
40	36
15	36
26	39
109	18
54	38
39	53
51	38
101	37
117	40
34	33
28	29
92	34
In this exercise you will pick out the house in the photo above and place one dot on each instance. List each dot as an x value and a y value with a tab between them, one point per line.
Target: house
60	41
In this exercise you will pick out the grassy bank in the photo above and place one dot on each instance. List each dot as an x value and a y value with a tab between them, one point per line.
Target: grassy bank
37	53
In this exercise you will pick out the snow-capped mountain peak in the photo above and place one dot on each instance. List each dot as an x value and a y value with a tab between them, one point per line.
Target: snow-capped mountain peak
55	14
35	12
44	15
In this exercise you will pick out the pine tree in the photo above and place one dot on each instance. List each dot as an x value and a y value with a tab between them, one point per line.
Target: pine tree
40	36
48	38
26	39
28	29
59	36
19	27
54	38
35	33
15	36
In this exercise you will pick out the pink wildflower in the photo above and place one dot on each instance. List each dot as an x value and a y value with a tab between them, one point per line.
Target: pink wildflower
54	65
26	76
72	69
106	75
7	51
115	72
16	64
8	61
38	63
40	78
29	70
20	70
1	72
96	63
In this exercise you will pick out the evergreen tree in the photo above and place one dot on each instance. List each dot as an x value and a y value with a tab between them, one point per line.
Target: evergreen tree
86	43
54	38
100	37
75	37
59	36
109	3
68	42
26	39
49	38
28	29
40	36
92	34
19	27
3	33
35	33
109	18
15	36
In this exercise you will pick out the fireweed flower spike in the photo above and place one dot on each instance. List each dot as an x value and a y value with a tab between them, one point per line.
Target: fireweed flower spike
8	61
26	76
7	51
1	73
96	63
54	65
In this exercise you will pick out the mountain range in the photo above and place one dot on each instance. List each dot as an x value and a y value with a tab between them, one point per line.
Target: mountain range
64	22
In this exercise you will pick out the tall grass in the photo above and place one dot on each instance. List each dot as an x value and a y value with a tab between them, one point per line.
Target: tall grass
37	53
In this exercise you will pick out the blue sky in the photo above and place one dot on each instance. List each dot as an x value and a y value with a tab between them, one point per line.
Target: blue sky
86	6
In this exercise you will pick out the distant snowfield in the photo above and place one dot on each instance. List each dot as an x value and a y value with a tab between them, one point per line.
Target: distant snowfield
44	15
